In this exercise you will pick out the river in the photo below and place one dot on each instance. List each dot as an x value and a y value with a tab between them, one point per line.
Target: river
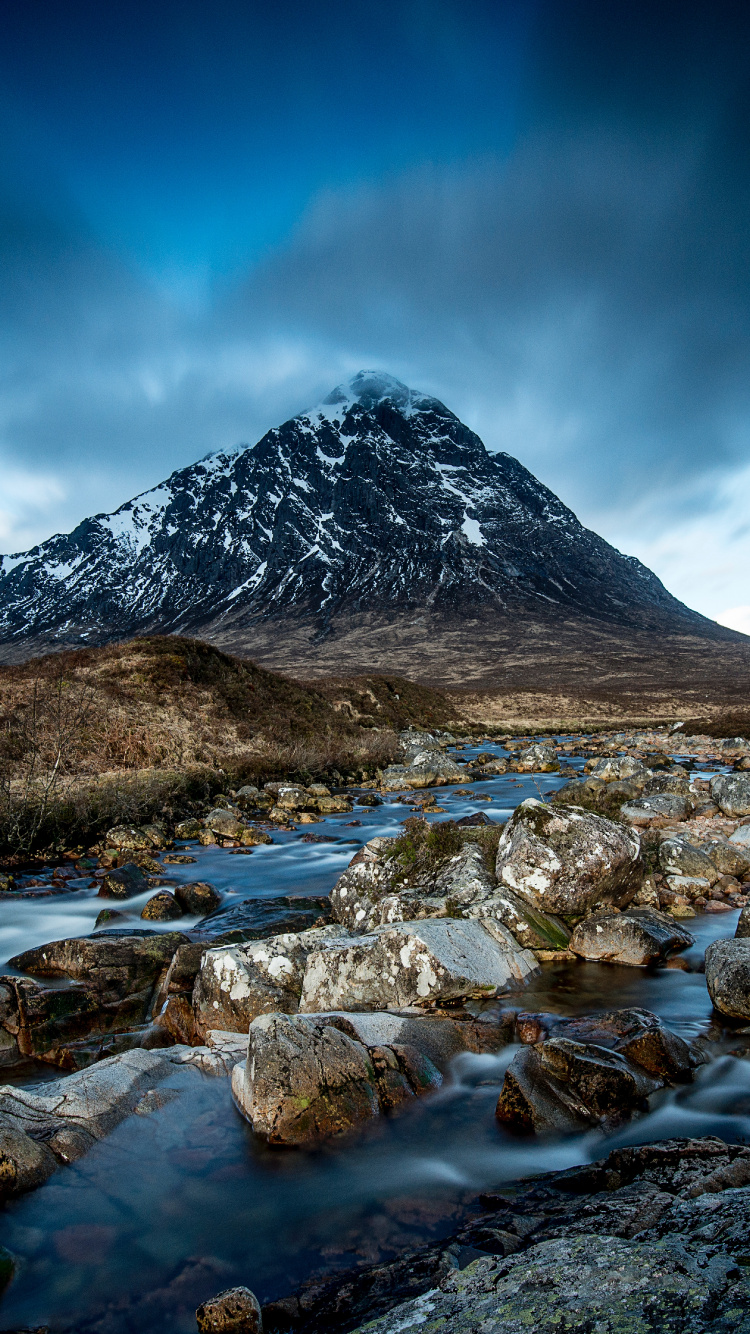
175	1206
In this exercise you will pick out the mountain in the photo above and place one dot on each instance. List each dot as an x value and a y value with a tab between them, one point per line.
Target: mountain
379	508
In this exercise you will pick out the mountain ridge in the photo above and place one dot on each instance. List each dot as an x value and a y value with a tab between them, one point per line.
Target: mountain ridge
378	503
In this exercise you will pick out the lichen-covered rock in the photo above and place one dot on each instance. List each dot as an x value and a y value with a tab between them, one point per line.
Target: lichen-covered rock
424	766
303	1080
681	858
162	907
409	963
728	976
308	1078
585	1284
127	838
236	983
617	768
537	758
533	929
223	823
731	792
662	806
568	861
637	936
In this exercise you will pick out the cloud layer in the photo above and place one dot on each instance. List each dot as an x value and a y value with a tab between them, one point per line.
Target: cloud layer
578	295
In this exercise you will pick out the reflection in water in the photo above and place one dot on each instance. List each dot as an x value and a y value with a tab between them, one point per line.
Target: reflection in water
175	1206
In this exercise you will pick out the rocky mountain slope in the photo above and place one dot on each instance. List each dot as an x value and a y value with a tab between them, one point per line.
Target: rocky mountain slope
380	502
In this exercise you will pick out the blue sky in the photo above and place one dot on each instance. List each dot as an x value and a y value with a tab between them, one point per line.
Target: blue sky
211	213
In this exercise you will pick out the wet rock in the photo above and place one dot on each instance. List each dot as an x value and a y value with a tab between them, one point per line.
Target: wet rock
304	1081
637	936
743	923
563	1085
728	976
681	858
662	806
408	963
162	907
251	837
24	1163
123	883
235	1311
197	898
108	916
293	798
369	799
437	1039
568	861
425	766
237	983
259	918
731	792
585	1283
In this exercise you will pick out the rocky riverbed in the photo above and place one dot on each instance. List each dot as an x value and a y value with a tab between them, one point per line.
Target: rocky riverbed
305	1031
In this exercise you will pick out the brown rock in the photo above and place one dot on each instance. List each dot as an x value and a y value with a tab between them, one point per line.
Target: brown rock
235	1311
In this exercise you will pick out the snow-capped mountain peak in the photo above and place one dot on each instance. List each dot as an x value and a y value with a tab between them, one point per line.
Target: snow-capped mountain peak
378	499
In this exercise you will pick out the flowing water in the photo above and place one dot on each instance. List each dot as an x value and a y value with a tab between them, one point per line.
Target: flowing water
175	1206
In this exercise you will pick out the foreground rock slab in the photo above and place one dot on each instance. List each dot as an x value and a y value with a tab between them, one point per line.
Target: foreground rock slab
591	1283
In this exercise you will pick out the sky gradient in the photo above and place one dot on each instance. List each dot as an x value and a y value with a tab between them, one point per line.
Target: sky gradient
212	213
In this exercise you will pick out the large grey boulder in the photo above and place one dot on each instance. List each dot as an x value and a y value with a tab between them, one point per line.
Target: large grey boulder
236	983
728	976
645	811
731	792
567	861
637	936
112	964
536	758
677	857
426	962
93	1100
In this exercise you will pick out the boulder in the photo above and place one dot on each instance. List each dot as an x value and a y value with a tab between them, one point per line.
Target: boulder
689	886
406	963
162	907
24	1163
741	836
729	858
126	838
223	823
533	929
197	898
676	781
637	936
248	797
188	829
567	861
662	806
293	798
303	1081
123	883
537	758
235	1311
731	792
677	857
743	923
564	1085
237	983
728	976
618	768
425	766
308	1078
333	805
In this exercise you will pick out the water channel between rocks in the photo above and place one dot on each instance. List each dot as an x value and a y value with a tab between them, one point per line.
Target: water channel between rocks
174	1206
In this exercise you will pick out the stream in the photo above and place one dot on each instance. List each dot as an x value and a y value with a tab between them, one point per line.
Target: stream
175	1206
